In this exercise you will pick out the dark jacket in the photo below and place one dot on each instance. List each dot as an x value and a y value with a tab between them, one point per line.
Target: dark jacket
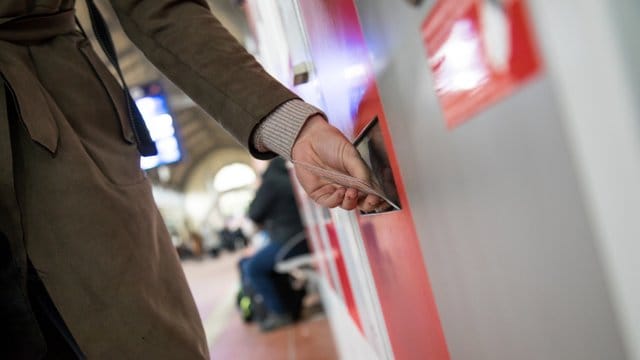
274	206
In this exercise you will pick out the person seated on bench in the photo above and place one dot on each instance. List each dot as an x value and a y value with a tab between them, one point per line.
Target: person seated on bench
274	208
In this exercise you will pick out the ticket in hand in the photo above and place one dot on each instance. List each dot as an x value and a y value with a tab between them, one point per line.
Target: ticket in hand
349	182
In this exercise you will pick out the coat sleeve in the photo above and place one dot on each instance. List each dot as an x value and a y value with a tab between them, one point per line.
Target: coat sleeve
188	44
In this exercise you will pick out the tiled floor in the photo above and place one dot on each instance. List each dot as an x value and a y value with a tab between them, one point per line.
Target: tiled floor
214	283
310	340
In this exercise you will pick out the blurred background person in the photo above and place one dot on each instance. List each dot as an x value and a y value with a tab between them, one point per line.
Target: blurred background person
274	209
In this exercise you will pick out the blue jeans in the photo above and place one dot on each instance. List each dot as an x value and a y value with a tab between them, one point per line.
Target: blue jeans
259	269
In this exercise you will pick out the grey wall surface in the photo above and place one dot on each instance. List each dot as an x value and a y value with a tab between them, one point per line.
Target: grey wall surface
627	15
498	208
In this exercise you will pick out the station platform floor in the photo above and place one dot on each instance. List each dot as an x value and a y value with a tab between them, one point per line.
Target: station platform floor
214	284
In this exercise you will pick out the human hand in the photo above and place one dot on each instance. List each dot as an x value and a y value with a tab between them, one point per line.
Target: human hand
323	146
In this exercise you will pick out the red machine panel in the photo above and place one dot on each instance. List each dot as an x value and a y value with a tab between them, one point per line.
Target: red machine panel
343	276
348	86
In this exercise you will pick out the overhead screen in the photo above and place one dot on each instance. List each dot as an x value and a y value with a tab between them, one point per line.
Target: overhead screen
152	103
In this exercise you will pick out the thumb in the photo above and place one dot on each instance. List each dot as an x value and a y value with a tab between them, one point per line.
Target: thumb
354	165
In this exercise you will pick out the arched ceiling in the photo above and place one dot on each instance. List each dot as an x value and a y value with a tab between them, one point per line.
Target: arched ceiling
200	135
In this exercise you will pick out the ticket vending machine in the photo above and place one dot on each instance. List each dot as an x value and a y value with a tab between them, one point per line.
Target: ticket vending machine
372	262
507	133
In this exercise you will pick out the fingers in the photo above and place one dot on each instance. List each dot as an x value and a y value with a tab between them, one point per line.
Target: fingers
332	195
329	196
324	193
369	203
354	164
350	199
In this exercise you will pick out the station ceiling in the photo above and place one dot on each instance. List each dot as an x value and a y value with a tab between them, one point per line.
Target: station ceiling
200	135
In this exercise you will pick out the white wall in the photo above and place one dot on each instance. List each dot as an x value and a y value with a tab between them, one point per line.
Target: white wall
591	47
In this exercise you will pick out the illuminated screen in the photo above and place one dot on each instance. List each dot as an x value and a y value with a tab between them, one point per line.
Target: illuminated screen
152	104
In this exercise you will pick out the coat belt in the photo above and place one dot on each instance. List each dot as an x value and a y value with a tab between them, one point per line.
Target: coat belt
32	29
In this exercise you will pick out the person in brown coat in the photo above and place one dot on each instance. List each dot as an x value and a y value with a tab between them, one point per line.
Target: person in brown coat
87	268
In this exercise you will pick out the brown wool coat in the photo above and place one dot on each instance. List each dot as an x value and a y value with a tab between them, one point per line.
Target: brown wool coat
72	196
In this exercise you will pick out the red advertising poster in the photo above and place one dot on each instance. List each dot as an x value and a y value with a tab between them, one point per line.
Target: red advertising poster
480	51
